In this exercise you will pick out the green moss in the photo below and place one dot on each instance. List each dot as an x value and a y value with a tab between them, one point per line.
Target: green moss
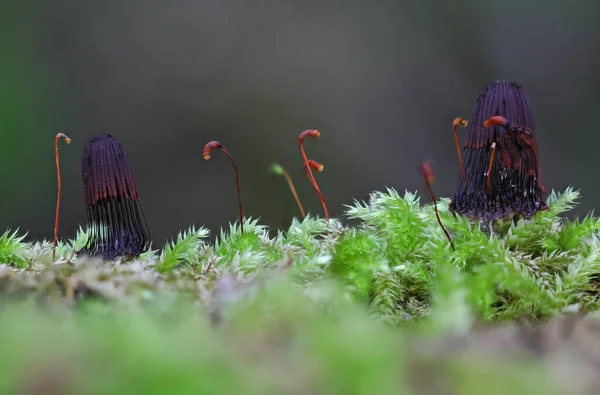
13	251
357	256
184	250
313	308
391	259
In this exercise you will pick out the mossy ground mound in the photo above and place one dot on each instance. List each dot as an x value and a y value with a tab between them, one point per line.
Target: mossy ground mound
383	305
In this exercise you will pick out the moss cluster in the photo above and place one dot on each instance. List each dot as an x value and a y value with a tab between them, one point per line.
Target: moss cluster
322	307
396	260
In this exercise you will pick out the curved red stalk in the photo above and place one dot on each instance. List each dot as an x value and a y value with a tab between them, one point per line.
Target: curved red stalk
59	185
212	145
455	124
429	178
308	168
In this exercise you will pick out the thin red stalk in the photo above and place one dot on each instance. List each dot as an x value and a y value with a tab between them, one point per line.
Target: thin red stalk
288	178
502	122
429	178
311	178
59	186
489	175
279	170
216	145
455	124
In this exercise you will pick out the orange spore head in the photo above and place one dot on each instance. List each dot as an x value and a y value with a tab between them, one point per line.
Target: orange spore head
209	147
309	133
427	172
460	122
496	120
315	165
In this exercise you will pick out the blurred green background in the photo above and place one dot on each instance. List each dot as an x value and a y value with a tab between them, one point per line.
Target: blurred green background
382	81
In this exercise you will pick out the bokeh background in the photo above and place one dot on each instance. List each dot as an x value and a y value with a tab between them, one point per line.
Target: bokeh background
382	81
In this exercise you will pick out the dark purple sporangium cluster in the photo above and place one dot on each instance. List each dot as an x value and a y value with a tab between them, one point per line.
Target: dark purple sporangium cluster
115	220
501	177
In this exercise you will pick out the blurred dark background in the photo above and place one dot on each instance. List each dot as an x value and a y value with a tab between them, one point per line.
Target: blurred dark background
381	80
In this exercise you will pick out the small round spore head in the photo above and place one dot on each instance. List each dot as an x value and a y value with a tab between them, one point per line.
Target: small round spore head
276	168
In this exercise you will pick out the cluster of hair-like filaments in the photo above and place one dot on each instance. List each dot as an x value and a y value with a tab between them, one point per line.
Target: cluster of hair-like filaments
116	222
515	187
